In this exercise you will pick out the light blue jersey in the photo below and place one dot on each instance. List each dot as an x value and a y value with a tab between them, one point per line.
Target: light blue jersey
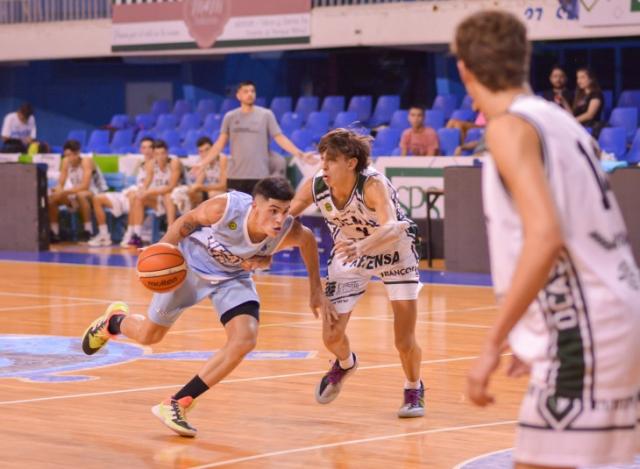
215	252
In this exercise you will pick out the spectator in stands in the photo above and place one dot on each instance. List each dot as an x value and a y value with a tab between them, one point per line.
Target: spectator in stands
250	129
473	146
120	202
208	183
161	178
19	129
559	93
419	140
80	179
588	101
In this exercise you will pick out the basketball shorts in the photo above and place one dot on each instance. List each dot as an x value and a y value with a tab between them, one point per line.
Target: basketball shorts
119	203
225	295
397	268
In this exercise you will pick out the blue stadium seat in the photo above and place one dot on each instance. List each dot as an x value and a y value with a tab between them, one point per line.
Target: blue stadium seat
289	122
473	135
449	140
434	118
121	141
445	103
212	123
345	119
79	135
467	103
120	121
170	137
306	105
280	105
386	141
400	120
614	140
190	144
386	105
318	124
142	134
182	107
145	121
626	117
166	122
190	121
633	155
397	151
302	138
115	181
629	98
161	106
205	107
228	104
261	101
99	142
361	105
464	115
333	105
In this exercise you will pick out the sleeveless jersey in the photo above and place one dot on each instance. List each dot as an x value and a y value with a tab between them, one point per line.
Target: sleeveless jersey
211	174
591	300
76	174
355	220
227	242
141	175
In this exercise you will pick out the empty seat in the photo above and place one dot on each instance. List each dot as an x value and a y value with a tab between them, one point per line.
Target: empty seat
160	106
142	134
361	105
261	101
228	104
445	103
182	107
467	103
400	120
333	105
626	117
121	141
190	121
346	119
318	124
115	181
449	140
206	106
166	122
466	115
79	135
99	142
629	98
303	139
119	121
386	105
306	105
145	121
190	144
434	118
212	123
289	122
280	105
385	142
614	140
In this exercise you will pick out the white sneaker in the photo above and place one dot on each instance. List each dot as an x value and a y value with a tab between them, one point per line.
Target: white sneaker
125	240
100	240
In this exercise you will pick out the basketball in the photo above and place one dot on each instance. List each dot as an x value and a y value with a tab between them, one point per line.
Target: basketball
161	267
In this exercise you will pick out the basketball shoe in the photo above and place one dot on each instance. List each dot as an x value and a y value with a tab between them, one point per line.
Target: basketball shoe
413	405
331	383
173	414
100	240
97	335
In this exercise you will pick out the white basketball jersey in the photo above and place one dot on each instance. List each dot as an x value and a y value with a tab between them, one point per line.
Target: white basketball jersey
589	311
161	177
75	175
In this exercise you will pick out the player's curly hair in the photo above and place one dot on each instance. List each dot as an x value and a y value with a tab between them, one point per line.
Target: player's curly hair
347	143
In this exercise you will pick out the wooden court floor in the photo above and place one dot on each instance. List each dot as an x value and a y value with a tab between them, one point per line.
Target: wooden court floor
264	414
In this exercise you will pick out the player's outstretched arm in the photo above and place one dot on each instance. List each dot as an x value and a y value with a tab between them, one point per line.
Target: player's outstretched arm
207	213
516	149
303	198
302	237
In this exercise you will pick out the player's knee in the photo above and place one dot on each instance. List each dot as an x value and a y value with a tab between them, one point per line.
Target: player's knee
405	344
244	344
332	336
151	336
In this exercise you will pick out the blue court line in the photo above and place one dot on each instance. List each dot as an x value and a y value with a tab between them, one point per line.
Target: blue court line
292	267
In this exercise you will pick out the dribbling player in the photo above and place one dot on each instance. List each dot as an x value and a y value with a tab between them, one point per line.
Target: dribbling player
567	285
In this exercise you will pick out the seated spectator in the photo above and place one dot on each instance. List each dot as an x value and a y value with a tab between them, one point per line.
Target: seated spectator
80	179
18	130
419	140
559	93
588	101
208	183
474	146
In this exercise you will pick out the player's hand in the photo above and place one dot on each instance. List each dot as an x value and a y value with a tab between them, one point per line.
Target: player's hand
310	157
517	368
321	306
196	169
347	250
480	373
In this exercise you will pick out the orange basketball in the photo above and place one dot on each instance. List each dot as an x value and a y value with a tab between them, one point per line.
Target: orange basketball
161	267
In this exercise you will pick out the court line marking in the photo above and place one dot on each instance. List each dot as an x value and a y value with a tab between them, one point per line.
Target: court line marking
394	436
226	381
482	456
23	308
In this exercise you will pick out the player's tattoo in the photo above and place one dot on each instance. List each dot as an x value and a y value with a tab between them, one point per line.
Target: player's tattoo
187	228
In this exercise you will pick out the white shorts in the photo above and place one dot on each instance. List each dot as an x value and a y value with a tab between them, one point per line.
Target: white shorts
557	431
398	270
119	203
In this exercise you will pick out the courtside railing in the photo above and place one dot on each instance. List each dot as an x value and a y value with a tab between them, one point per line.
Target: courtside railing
37	11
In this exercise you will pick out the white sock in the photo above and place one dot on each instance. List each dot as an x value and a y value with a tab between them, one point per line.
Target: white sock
103	230
129	231
412	385
137	230
348	363
55	228
88	227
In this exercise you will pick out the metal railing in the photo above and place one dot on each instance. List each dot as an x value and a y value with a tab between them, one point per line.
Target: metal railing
339	3
37	11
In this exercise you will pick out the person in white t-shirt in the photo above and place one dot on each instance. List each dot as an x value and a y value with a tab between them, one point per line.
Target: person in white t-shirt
19	126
